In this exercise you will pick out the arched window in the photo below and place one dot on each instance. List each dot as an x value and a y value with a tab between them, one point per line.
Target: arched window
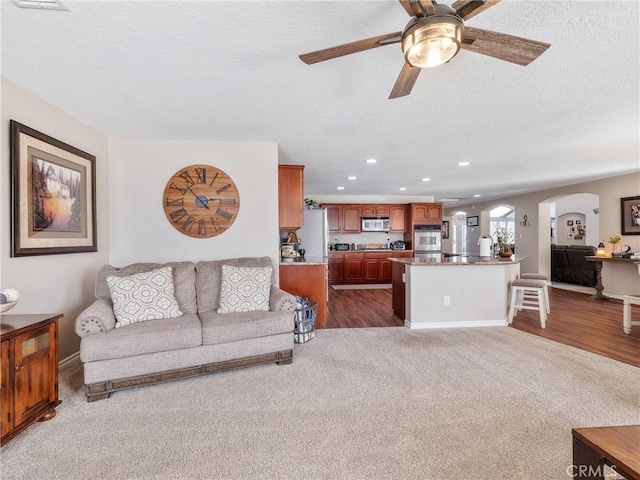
503	222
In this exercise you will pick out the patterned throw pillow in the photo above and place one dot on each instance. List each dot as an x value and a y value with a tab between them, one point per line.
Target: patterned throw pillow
143	296
244	289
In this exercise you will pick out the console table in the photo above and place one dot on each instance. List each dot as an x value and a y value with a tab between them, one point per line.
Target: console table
29	371
597	264
617	447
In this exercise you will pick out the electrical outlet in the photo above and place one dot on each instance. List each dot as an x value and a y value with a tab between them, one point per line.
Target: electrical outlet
447	300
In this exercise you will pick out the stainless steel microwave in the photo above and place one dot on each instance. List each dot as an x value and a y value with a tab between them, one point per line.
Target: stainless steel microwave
375	224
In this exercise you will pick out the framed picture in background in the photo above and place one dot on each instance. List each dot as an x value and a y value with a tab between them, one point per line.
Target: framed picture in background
472	221
630	211
445	229
53	197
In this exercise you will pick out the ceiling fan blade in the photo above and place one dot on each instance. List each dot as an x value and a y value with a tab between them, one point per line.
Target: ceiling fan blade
467	9
417	8
349	48
504	47
405	81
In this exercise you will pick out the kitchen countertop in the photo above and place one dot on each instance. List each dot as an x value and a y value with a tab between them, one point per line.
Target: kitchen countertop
303	261
364	250
448	260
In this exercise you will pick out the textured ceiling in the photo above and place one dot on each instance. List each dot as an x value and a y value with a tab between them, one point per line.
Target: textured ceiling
212	70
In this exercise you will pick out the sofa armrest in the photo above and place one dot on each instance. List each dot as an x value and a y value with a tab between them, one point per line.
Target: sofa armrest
97	317
281	301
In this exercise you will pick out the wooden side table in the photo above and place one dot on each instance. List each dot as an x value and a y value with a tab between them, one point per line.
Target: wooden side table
29	373
618	447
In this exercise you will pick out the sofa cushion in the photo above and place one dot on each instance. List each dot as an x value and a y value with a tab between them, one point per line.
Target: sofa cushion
143	296
230	327
184	280
209	279
244	289
143	337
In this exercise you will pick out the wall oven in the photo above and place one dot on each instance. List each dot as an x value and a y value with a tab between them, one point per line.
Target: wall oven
427	239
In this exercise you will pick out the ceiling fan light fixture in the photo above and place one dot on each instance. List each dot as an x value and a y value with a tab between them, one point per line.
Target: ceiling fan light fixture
433	40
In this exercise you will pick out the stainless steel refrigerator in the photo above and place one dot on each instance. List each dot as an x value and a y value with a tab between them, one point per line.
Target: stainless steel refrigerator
314	234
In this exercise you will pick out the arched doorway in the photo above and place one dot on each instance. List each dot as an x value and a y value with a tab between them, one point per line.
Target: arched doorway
582	205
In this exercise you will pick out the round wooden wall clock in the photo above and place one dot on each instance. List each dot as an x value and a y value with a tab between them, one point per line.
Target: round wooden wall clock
201	201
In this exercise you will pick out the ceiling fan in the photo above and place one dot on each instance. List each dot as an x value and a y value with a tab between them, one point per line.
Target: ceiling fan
434	35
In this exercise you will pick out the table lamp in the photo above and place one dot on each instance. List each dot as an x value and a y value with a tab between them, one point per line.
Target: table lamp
600	249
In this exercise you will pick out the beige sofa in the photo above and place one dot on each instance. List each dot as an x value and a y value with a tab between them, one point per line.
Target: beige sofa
199	341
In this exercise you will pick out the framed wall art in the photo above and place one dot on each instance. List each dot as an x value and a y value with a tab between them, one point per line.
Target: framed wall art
630	211
472	221
445	229
53	195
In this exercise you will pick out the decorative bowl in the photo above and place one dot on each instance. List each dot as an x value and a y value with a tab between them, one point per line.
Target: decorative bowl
4	307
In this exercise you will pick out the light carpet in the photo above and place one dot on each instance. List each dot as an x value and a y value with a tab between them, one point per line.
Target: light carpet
373	403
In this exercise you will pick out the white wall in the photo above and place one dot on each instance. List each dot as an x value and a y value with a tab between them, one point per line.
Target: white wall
52	283
140	169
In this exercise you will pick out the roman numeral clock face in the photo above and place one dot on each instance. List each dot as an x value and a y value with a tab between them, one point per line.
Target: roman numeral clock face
201	201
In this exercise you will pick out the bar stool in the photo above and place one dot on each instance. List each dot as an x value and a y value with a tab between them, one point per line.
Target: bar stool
627	301
528	294
539	276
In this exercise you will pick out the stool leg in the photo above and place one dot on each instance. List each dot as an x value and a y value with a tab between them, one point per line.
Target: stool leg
542	307
626	316
546	297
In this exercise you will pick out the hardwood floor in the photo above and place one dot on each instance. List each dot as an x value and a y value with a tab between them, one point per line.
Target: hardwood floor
592	325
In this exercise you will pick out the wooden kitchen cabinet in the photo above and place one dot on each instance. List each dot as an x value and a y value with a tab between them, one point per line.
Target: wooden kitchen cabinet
397	218
336	267
398	290
354	267
334	218
29	371
375	210
290	196
351	222
308	281
425	213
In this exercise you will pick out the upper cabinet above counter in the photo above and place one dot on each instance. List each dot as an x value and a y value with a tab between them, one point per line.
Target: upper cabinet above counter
290	196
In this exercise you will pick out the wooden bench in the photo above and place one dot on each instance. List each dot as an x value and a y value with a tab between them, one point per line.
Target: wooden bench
617	447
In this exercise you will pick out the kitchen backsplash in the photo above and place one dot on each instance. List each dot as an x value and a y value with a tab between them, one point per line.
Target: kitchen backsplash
367	237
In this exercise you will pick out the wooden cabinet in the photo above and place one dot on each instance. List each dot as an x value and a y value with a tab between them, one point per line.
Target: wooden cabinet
371	269
290	196
354	267
375	210
426	213
397	218
351	222
29	371
336	267
334	218
309	281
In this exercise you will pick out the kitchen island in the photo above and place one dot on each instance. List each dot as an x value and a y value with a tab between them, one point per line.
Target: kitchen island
453	290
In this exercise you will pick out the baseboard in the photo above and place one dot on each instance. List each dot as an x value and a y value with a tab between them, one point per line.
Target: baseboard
463	324
69	359
370	286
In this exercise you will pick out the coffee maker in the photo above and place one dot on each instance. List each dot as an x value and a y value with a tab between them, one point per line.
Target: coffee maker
486	246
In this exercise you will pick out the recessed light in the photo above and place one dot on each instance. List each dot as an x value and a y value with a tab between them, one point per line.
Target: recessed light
41	4
370	160
463	164
426	179
402	189
340	188
351	177
477	195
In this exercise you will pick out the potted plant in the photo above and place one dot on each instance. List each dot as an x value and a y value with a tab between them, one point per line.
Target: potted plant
613	240
310	204
505	239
